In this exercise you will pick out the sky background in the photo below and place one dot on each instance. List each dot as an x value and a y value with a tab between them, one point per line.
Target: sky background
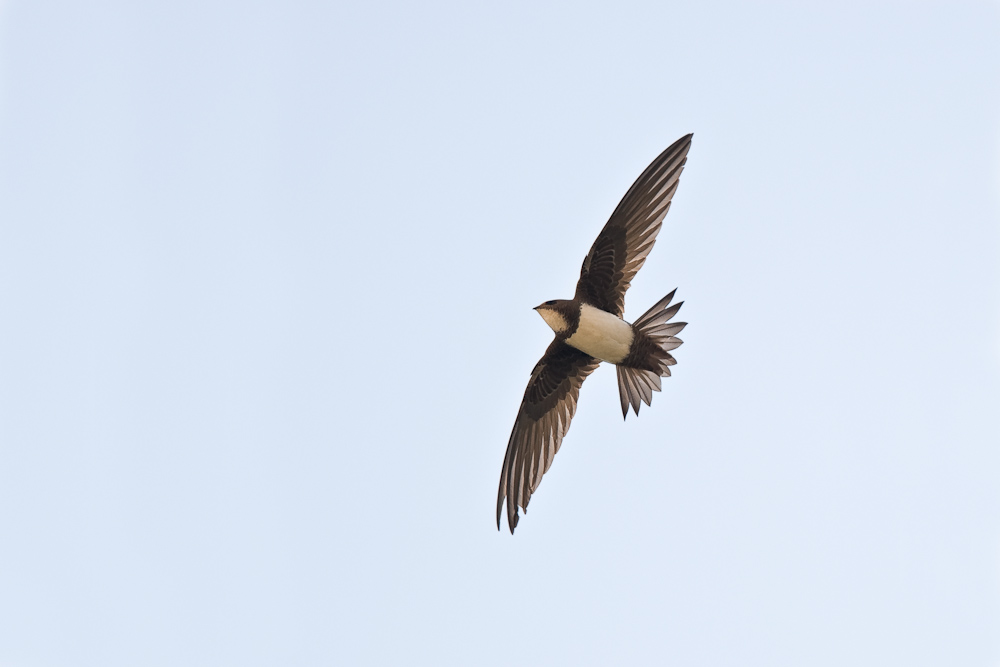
266	280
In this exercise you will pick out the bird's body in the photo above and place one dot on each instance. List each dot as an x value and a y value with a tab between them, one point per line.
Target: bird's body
589	329
592	330
600	334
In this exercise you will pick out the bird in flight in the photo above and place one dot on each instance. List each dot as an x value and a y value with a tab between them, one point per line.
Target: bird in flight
589	329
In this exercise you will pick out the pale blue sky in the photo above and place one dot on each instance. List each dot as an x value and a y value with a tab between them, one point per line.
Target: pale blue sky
266	279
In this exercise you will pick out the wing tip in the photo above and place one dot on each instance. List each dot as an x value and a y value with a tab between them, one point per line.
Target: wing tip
682	143
511	520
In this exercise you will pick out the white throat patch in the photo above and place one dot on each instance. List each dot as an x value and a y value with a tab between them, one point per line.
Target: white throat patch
554	319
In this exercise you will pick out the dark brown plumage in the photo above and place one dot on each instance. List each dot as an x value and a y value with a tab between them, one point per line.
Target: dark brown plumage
622	246
592	321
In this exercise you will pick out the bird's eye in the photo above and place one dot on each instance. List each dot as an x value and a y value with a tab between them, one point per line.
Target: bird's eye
550	303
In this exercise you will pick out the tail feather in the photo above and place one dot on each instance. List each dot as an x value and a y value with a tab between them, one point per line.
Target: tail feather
639	375
666	329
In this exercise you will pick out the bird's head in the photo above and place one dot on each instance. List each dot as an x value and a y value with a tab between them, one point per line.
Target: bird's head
554	313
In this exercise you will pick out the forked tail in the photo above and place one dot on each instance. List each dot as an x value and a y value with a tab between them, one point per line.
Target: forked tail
649	358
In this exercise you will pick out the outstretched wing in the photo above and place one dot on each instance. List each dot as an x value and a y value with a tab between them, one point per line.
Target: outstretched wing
622	246
548	406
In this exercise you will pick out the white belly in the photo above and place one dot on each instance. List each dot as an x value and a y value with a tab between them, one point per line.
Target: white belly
602	335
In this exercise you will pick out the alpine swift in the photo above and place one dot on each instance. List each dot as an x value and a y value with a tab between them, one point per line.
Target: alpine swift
590	328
